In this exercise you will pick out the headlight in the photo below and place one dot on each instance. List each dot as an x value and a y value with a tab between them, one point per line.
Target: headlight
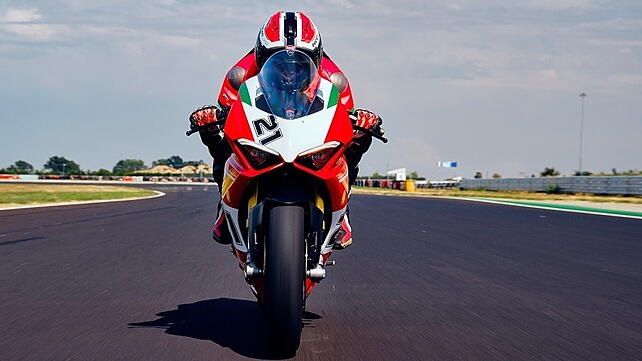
316	158
260	157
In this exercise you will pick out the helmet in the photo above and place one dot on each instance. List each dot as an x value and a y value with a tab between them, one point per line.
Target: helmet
292	30
289	79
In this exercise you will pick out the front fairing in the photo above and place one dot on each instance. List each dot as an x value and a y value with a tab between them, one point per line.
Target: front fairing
288	137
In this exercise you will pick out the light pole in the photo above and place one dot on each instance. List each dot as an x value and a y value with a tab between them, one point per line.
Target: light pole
583	96
63	169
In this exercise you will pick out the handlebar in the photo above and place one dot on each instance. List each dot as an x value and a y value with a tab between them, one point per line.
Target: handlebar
214	126
375	134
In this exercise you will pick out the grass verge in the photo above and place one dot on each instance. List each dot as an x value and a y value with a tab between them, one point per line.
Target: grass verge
535	196
26	194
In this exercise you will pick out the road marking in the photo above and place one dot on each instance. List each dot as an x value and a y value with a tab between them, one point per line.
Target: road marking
555	207
158	194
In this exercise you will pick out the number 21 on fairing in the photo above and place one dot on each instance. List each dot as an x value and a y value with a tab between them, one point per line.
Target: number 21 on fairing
268	127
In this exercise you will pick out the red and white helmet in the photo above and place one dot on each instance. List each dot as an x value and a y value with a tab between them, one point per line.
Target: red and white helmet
288	30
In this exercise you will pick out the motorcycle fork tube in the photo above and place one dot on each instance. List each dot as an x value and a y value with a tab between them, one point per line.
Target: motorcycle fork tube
315	219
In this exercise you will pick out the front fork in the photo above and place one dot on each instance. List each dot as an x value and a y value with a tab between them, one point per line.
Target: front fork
319	227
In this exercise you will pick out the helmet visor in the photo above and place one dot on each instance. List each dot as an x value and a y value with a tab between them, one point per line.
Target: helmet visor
284	79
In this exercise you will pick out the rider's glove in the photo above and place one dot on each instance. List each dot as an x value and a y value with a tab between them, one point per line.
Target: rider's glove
205	115
365	119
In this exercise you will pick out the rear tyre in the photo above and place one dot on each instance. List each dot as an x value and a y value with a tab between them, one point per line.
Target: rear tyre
284	270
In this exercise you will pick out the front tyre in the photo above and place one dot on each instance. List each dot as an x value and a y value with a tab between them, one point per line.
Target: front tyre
284	270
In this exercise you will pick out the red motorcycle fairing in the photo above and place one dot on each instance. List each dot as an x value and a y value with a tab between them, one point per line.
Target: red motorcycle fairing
239	189
238	170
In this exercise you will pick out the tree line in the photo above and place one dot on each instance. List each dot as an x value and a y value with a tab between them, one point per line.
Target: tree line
58	165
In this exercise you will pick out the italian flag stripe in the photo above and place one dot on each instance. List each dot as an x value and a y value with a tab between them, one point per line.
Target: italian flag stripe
245	95
334	97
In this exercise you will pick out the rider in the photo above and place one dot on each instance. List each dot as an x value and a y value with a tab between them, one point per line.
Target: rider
282	30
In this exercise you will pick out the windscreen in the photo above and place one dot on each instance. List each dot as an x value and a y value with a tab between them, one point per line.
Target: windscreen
284	78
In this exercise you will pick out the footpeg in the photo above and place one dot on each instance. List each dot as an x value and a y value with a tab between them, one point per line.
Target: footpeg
251	271
316	274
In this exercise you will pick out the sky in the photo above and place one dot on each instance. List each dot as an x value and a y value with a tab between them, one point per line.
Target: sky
490	84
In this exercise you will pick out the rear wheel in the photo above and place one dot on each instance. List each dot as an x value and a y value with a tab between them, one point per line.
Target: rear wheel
284	270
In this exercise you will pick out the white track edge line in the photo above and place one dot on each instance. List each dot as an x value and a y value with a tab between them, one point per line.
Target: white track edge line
158	194
540	207
123	183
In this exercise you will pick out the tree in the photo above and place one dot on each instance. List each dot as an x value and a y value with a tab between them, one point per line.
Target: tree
549	172
162	161
497	175
194	163
377	175
58	164
20	166
582	174
101	171
478	175
129	165
173	161
413	175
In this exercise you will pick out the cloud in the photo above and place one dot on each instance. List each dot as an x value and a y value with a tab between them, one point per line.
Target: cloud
421	64
554	4
21	15
626	79
37	32
610	42
342	3
180	41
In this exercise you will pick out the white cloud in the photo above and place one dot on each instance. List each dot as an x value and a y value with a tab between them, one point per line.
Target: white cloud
342	3
22	15
610	42
549	5
409	60
555	4
37	32
548	74
617	24
180	41
626	79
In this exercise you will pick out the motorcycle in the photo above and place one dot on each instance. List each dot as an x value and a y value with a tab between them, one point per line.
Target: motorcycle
285	187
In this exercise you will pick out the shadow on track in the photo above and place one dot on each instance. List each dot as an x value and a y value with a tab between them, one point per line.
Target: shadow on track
236	324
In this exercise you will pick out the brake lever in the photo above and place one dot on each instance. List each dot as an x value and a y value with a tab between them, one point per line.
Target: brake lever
215	126
372	133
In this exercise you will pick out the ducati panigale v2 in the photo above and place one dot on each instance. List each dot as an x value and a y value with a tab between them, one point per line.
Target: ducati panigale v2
285	187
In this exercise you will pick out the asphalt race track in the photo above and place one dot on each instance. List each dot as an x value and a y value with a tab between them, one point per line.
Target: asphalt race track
426	279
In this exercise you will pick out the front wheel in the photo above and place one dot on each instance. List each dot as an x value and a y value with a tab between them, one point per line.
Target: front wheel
284	270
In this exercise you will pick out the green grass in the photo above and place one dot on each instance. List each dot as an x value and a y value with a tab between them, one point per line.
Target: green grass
22	194
536	196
